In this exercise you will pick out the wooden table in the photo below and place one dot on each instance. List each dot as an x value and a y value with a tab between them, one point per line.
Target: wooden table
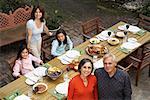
21	85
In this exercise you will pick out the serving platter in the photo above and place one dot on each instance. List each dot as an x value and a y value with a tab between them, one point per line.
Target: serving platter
99	52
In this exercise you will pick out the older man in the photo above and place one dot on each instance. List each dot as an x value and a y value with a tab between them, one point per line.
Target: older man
113	83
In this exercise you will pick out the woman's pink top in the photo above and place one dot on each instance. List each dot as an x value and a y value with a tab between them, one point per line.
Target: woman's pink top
24	66
78	91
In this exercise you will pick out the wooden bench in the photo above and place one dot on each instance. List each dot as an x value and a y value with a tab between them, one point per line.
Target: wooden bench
12	25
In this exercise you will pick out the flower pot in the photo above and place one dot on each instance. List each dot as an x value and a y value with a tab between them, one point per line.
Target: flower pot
54	31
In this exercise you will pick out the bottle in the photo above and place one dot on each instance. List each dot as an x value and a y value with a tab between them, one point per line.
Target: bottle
66	78
94	58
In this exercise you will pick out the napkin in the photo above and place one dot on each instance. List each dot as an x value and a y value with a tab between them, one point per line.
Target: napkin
31	76
22	97
104	35
141	32
127	47
69	56
39	71
99	64
12	95
134	29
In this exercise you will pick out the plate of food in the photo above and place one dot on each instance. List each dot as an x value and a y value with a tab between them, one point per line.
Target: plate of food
40	87
113	41
94	41
120	34
98	50
53	72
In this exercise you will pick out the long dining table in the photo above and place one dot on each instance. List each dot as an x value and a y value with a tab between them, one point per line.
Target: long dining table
19	84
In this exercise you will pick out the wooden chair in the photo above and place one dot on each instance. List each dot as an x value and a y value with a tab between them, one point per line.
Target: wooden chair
125	68
46	47
91	28
140	60
144	22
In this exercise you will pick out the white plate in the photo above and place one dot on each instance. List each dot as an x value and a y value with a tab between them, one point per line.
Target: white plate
29	82
113	41
62	88
132	40
94	40
72	53
120	34
22	97
105	33
39	71
134	29
130	46
122	27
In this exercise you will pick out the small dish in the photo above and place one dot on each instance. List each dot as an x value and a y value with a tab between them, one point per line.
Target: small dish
40	87
120	34
132	40
29	82
113	41
94	41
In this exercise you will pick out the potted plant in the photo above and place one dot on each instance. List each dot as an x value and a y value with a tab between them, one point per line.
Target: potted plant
54	21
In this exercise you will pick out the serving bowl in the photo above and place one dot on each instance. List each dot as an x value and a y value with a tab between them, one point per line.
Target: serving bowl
39	87
53	72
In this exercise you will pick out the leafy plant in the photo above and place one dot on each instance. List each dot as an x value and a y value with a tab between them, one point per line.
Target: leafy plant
54	21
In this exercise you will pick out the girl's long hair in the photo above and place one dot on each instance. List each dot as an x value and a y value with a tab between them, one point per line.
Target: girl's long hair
20	51
63	32
34	10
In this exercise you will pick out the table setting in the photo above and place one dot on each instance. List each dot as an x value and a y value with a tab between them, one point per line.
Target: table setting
69	56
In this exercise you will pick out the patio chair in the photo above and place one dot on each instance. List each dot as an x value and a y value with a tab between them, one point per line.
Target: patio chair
5	73
144	22
140	59
91	28
46	47
125	68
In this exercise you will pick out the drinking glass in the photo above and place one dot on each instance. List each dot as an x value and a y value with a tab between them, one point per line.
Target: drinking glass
109	33
66	78
127	26
30	92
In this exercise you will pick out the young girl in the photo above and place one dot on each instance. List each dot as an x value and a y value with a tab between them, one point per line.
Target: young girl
61	44
23	63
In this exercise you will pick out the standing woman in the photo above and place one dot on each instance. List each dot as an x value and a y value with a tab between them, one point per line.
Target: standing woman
84	85
35	26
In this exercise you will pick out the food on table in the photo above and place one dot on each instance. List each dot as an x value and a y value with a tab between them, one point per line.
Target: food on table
113	41
40	87
75	62
94	40
96	50
53	72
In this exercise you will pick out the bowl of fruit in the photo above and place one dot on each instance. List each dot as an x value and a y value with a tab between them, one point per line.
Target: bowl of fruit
54	72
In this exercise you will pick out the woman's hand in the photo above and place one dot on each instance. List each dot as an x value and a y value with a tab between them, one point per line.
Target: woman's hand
50	33
28	46
41	63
